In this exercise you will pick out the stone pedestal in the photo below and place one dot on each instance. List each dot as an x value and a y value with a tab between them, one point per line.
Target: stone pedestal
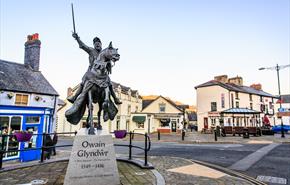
92	161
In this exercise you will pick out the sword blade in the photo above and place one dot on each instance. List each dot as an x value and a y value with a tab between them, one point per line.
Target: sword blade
73	17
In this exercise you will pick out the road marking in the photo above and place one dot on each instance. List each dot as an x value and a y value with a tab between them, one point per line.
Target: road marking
198	170
270	179
248	161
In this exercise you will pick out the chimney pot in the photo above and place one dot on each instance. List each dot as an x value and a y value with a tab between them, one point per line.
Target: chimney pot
32	52
256	86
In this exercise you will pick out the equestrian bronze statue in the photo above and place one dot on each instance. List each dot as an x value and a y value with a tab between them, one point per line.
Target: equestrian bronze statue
96	86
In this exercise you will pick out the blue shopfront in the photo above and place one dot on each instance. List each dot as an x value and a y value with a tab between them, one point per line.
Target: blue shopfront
35	119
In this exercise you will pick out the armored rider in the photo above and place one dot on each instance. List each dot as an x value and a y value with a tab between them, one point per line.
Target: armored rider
93	55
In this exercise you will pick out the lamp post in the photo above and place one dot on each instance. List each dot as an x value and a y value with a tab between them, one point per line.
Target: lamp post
278	68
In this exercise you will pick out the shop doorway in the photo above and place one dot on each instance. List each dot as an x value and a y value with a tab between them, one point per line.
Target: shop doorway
205	123
173	125
32	124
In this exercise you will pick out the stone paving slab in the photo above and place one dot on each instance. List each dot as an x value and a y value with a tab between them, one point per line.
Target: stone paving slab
165	165
174	170
53	174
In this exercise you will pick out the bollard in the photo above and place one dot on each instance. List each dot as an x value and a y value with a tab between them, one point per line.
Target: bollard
215	135
42	148
182	135
146	163
158	134
191	128
130	146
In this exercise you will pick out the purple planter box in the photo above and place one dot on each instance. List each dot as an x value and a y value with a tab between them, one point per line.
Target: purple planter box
22	137
120	133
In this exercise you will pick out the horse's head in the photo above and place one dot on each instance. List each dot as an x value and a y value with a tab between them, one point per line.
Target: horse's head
110	53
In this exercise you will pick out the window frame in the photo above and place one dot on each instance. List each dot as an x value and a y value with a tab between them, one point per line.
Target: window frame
21	102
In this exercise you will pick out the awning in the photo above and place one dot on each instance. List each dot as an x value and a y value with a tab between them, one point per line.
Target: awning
139	119
240	111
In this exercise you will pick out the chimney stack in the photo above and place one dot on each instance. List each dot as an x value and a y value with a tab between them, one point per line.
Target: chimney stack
221	78
32	52
256	86
236	80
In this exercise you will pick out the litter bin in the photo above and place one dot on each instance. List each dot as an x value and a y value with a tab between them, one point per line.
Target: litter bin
246	133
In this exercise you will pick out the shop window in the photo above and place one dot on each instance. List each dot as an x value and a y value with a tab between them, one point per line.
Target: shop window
8	125
21	99
164	122
140	125
32	119
213	106
162	107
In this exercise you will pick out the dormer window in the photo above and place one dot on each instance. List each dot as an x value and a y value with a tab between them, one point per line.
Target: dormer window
162	107
21	99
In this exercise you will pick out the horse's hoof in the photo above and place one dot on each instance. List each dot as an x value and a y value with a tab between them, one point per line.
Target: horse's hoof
106	117
92	131
99	127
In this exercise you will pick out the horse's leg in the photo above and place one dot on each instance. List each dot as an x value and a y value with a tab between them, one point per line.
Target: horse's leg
99	126
106	96
90	115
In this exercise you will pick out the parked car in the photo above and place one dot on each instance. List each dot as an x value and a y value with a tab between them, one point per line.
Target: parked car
277	128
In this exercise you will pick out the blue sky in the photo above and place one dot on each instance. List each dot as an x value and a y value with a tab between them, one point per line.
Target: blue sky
167	47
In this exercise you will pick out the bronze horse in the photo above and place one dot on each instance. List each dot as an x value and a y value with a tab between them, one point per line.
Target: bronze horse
96	90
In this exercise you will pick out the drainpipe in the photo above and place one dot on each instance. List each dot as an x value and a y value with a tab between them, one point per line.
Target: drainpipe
54	113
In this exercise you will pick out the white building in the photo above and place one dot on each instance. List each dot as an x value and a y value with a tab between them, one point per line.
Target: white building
158	113
285	112
226	101
131	102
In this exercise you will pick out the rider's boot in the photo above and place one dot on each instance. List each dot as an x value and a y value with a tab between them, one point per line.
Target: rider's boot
73	98
116	100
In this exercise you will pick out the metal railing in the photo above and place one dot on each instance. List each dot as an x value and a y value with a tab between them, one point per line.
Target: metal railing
147	146
44	148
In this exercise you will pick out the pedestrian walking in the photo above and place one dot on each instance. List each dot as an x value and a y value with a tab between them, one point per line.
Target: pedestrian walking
54	142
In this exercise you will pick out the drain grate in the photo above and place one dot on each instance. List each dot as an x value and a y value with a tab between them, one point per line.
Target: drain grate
271	179
39	181
140	173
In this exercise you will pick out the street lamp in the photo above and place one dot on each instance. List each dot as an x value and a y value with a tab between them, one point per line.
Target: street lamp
278	68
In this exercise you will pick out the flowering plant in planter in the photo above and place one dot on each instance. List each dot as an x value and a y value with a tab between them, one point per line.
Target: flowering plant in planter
120	133
23	136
